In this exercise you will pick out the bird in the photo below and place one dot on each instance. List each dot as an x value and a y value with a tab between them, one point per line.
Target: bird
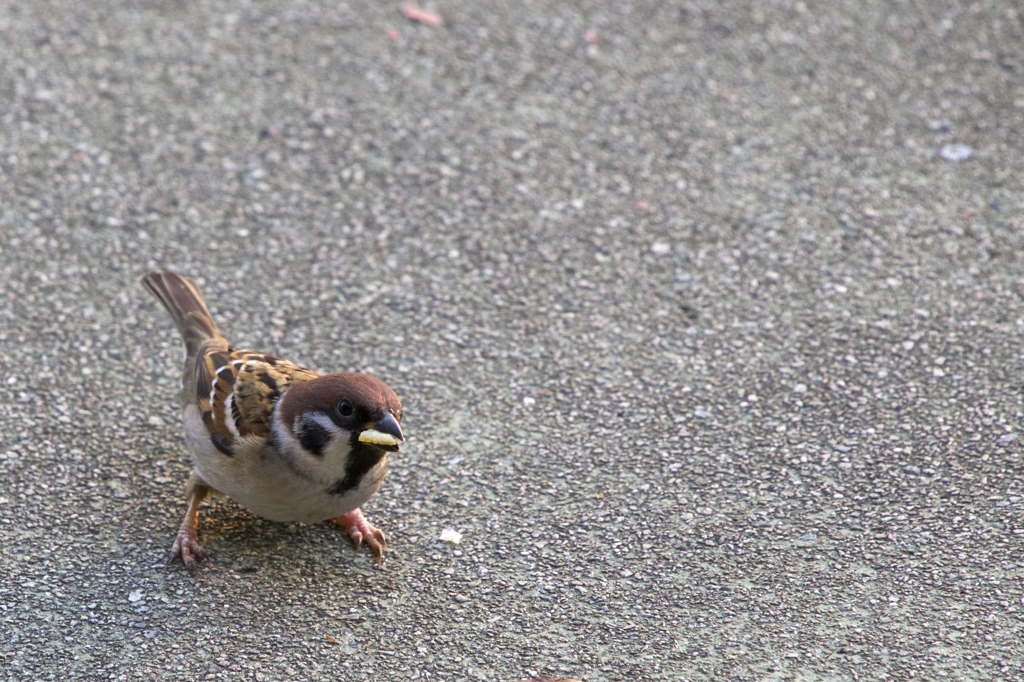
288	444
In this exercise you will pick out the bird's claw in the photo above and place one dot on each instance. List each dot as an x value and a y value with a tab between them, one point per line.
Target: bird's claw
187	548
359	530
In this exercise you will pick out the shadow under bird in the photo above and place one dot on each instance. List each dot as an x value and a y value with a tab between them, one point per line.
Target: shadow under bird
283	441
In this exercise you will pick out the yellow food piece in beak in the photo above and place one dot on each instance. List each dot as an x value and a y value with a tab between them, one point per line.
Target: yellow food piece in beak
378	437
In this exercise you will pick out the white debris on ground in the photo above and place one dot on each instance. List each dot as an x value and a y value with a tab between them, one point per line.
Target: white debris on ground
955	152
452	536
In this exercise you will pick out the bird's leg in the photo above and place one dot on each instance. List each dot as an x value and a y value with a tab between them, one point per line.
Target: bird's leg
186	544
360	530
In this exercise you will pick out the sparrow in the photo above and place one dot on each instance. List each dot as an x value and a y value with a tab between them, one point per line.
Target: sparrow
286	443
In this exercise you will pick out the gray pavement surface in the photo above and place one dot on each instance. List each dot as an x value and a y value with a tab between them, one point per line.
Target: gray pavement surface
706	316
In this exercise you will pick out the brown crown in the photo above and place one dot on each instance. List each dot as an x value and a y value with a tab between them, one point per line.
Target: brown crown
323	393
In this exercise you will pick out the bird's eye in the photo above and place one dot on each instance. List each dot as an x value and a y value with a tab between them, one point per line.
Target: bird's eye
345	408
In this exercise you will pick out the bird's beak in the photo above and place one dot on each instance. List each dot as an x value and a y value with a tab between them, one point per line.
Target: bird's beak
384	432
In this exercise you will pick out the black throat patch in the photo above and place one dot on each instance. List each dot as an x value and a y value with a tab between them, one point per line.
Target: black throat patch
361	459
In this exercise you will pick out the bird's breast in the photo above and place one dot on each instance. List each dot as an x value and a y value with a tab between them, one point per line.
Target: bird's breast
274	484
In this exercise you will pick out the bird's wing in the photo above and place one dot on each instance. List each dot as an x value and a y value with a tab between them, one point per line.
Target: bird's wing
237	390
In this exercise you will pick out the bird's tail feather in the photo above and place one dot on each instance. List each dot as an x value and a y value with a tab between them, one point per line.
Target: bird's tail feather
184	302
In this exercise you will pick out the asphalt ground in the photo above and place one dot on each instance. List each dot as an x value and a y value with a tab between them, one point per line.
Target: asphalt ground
706	317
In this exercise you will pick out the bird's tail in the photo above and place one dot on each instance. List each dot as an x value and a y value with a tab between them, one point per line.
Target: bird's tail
184	302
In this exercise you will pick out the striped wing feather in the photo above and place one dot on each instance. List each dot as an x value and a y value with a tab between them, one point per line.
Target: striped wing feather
237	391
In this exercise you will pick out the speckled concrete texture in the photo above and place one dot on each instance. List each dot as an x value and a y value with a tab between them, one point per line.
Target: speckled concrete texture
706	317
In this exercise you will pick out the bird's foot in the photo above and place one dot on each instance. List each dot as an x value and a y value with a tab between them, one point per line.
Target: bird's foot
360	530
187	547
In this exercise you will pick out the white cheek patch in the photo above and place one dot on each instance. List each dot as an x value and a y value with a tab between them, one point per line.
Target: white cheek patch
321	420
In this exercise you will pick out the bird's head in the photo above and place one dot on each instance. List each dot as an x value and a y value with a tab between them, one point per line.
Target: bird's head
346	413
